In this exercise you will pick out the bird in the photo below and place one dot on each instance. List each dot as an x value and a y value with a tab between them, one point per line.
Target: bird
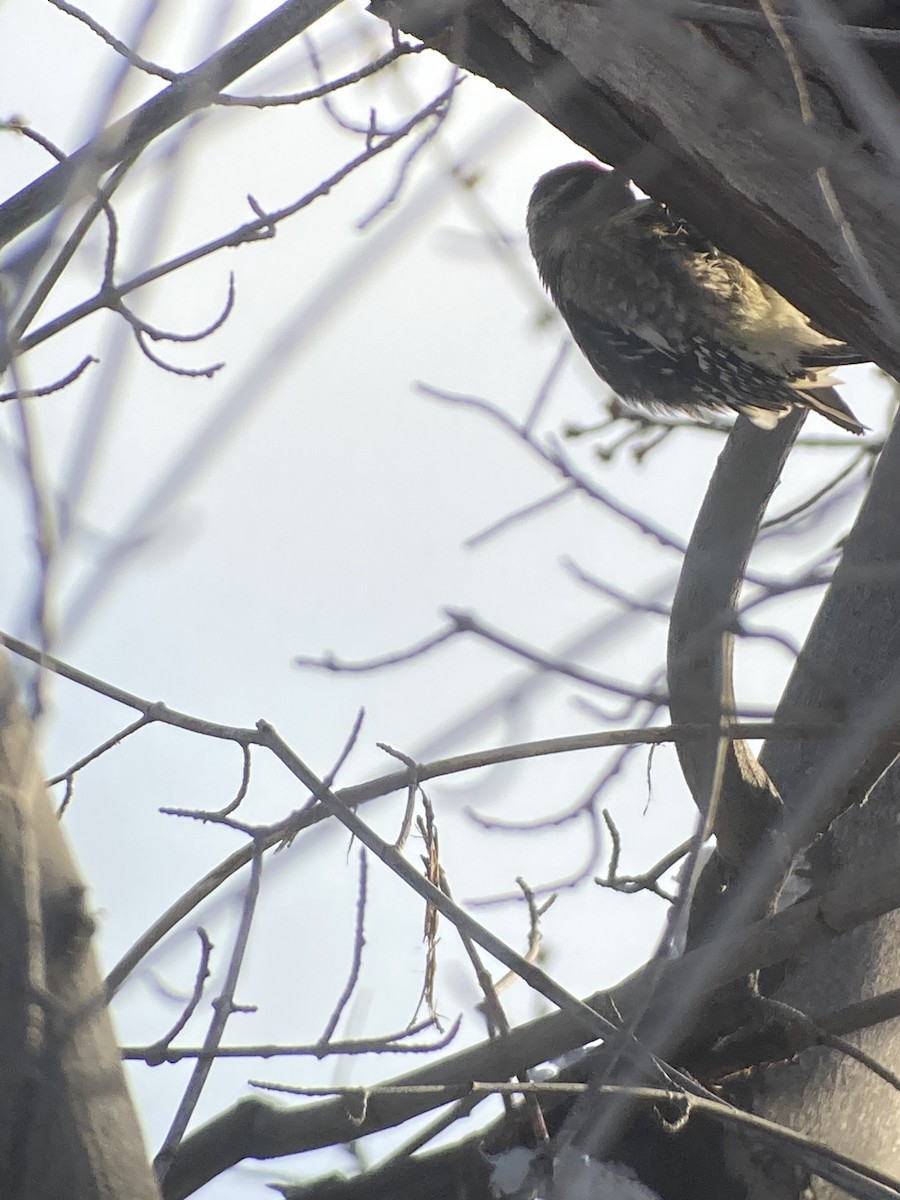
666	319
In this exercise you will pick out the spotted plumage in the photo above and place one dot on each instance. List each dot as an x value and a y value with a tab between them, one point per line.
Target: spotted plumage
666	319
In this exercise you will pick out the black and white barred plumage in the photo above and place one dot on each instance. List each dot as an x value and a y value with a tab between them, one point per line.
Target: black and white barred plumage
665	318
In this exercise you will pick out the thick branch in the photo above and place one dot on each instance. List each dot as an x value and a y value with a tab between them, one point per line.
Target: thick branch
701	637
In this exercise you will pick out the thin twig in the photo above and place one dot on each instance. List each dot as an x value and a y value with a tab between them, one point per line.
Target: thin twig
359	940
223	1008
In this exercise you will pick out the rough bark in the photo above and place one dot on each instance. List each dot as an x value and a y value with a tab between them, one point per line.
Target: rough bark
67	1123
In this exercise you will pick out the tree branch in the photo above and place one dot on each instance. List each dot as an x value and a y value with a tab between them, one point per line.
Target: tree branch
256	1129
79	174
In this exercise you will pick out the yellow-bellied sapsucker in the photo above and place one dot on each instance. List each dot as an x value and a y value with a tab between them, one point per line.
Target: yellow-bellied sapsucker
665	318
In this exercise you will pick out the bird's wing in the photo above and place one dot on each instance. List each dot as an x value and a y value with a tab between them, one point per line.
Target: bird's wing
613	351
644	331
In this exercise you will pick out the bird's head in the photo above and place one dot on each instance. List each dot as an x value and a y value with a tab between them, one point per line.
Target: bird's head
570	197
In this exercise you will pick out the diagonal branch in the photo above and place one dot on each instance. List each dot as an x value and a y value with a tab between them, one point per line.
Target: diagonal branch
79	174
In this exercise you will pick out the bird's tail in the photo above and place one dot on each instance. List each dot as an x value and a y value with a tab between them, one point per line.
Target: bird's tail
827	402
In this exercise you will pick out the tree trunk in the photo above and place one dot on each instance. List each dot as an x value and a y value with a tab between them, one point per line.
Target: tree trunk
66	1119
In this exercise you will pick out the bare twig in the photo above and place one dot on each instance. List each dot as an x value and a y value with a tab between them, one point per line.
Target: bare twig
389	1043
648	881
223	1008
49	388
409	811
397	51
130	56
251	231
79	174
158	1051
359	940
